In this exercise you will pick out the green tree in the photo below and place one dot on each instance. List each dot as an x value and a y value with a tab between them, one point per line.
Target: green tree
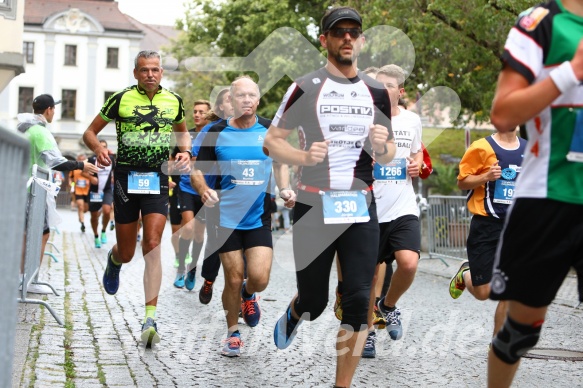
258	32
455	44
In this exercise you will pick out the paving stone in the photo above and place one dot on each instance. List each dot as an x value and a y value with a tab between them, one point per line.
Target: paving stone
440	335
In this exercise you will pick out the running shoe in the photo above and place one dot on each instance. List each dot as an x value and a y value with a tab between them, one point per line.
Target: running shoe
97	242
377	318
103	238
338	305
206	292
150	334
190	279
393	325
250	309
179	281
139	237
82	228
285	330
111	225
369	350
457	285
111	275
233	345
188	259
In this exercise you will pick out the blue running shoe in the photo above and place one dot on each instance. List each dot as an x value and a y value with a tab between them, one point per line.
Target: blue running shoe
250	309
285	330
369	350
393	319
150	333
179	281
190	279
233	345
111	275
103	238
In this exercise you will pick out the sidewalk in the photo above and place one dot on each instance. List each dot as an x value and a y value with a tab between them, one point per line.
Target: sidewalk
445	341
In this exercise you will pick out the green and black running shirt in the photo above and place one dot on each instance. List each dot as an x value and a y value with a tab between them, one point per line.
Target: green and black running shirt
543	38
143	126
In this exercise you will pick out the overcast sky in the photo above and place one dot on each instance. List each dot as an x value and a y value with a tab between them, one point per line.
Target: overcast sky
163	12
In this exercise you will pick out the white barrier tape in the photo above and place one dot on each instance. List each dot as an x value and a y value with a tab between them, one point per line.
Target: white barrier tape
50	187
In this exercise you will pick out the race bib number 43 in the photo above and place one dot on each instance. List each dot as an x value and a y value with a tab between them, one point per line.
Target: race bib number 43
143	183
345	207
248	172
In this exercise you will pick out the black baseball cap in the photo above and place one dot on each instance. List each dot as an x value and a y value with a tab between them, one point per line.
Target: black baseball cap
337	14
44	101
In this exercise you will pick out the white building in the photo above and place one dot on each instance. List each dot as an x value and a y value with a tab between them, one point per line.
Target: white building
79	52
11	58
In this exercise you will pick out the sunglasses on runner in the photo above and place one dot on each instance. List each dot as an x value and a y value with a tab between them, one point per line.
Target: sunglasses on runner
340	32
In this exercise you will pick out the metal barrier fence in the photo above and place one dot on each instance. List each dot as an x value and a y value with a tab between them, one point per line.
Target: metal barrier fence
14	161
35	221
448	224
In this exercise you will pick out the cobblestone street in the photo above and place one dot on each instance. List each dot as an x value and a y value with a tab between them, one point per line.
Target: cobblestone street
445	341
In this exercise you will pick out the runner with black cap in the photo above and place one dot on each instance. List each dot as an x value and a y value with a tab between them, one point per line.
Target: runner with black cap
343	120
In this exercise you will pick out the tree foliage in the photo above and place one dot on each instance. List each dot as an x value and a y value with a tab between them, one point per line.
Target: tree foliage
451	43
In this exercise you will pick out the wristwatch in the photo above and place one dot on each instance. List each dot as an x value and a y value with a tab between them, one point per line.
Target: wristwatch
190	153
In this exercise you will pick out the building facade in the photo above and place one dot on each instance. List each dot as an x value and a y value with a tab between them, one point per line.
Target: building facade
11	58
80	52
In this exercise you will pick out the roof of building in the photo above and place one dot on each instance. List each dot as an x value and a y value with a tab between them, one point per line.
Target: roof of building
156	36
104	11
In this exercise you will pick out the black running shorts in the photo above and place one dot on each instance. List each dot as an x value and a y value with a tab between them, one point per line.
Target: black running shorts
193	203
403	233
540	242
237	239
482	243
128	206
175	209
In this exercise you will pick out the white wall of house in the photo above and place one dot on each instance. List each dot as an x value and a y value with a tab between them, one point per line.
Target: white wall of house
90	77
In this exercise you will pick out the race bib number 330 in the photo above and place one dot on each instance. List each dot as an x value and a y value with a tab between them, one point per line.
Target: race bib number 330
345	207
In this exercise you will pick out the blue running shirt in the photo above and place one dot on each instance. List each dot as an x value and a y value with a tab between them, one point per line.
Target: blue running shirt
244	173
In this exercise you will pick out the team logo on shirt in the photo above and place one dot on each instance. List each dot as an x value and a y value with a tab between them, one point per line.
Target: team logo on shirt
345	144
347	109
359	96
333	95
530	20
348	129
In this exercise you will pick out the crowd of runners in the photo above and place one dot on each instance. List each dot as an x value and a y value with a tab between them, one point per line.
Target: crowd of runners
352	194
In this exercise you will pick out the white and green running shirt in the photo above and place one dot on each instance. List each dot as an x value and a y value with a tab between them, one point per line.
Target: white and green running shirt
543	38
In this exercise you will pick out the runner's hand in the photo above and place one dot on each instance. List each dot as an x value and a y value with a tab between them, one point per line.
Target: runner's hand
182	162
89	168
317	153
210	198
412	168
494	173
378	136
289	197
102	157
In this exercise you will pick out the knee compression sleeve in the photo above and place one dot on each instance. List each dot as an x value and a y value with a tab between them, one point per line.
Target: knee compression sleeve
515	339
